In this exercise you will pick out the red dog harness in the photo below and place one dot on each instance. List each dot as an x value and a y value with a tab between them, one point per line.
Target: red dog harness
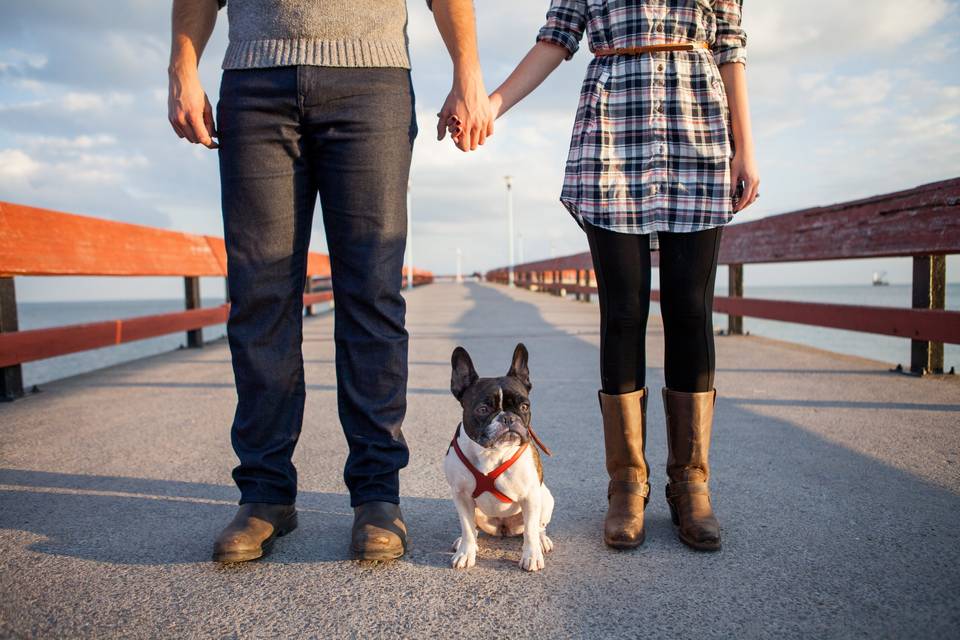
485	481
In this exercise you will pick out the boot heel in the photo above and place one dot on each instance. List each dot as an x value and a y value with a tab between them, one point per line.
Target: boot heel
288	527
673	514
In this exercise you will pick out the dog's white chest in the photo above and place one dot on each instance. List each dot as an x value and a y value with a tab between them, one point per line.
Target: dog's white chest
515	483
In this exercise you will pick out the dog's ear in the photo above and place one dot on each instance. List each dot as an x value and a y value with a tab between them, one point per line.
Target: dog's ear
518	368
464	375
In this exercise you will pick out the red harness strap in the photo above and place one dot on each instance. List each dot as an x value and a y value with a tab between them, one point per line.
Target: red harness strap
485	480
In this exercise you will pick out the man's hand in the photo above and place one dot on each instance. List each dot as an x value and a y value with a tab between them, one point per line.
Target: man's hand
468	111
189	110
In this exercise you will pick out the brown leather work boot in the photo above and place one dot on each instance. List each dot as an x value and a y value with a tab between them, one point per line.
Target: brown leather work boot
379	532
251	533
624	435
689	422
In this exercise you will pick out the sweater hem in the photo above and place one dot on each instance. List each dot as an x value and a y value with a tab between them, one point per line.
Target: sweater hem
286	52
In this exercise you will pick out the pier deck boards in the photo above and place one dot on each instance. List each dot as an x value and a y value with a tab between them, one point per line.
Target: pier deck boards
837	485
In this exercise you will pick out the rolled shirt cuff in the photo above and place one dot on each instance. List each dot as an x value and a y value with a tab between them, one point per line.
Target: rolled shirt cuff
560	38
730	54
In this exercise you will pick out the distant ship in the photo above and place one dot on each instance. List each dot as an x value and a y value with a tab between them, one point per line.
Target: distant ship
879	280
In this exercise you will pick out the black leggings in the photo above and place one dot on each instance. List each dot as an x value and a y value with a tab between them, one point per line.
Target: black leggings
688	268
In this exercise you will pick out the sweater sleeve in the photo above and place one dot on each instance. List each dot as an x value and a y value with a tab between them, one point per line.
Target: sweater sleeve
730	44
566	22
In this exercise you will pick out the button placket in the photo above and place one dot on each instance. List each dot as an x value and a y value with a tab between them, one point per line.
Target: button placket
658	146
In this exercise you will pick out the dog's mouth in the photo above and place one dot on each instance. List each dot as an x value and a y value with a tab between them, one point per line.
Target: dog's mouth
511	436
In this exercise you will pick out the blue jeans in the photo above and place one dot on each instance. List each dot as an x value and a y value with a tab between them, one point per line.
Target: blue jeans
287	135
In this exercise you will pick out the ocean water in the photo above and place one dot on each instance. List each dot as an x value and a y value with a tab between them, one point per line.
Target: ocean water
890	350
41	315
886	349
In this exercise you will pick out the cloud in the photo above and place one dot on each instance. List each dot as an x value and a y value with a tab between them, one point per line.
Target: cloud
849	99
817	29
16	166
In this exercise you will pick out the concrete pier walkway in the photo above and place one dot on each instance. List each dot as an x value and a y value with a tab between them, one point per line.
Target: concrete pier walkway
837	485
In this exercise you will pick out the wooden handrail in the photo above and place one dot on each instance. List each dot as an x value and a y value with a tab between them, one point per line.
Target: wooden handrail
41	242
922	223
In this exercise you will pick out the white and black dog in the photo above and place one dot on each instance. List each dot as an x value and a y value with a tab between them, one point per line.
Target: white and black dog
493	469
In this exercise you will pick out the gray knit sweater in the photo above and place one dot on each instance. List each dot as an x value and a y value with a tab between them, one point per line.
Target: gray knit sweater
326	33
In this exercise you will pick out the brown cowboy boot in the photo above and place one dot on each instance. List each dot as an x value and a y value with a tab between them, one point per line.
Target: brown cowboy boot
251	533
379	532
624	435
689	421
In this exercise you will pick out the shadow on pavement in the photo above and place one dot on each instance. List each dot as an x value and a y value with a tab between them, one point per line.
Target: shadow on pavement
138	521
818	538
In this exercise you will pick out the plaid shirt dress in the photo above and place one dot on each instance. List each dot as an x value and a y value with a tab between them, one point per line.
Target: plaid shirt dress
651	143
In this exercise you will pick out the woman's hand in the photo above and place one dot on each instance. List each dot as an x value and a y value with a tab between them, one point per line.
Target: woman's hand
743	168
496	104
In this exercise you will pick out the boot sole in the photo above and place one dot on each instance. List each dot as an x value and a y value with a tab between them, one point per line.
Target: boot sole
693	544
387	554
625	546
698	546
231	557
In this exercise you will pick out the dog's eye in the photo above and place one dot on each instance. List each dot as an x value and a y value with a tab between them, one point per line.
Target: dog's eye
483	410
525	408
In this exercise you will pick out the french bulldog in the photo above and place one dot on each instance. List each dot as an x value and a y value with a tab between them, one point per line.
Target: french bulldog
493	465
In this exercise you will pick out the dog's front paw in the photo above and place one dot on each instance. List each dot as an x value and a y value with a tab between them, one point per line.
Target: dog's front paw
531	558
465	556
546	542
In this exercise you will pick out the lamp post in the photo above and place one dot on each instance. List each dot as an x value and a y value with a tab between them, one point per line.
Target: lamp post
509	181
409	240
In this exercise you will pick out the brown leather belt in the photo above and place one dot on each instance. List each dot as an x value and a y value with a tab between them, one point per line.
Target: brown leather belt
653	48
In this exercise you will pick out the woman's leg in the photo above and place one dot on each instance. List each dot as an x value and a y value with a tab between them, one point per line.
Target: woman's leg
688	266
688	269
621	262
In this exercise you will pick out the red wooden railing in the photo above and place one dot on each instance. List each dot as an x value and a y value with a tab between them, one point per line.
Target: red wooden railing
923	223
39	242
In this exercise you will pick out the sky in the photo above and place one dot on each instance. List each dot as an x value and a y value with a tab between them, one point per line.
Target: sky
849	99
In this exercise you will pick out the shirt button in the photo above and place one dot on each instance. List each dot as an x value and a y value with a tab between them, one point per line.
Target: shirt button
659	108
660	28
659	67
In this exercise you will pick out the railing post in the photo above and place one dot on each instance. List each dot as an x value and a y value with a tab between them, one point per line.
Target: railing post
929	292
11	378
735	290
191	288
307	287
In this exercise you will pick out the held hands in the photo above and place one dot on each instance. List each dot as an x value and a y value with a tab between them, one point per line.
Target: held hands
455	128
467	114
189	110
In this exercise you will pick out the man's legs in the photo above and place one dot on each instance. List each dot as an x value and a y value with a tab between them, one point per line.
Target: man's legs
268	198
360	124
